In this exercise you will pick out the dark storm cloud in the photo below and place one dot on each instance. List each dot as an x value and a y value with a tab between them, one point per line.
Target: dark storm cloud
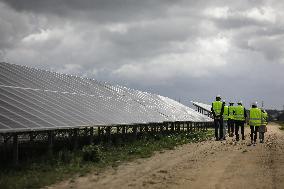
184	49
96	10
13	27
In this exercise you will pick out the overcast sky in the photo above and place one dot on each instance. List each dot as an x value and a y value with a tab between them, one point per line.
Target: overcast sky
183	49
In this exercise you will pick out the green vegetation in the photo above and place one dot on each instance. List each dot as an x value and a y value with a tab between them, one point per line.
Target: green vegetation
67	164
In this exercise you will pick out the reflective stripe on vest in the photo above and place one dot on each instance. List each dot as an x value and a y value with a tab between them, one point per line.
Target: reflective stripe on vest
239	114
217	106
255	117
226	113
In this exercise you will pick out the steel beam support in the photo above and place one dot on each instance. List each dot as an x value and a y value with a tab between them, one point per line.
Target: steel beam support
134	131
15	150
91	137
50	142
76	139
108	135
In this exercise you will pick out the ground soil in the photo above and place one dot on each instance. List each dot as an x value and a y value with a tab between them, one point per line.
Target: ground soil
209	164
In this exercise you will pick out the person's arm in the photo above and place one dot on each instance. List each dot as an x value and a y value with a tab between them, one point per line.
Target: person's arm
212	110
245	115
222	109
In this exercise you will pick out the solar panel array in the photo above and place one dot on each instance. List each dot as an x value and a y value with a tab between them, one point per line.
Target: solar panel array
32	99
206	107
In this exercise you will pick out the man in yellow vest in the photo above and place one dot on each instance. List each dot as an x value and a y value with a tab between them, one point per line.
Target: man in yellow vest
225	119
217	111
240	117
262	128
254	122
231	121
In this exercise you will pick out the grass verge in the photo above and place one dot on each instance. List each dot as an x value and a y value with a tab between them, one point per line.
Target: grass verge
68	164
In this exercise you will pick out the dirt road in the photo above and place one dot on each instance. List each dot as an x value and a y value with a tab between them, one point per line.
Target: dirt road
209	164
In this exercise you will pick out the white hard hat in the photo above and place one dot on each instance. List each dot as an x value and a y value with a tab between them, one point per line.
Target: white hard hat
240	102
254	103
218	96
224	101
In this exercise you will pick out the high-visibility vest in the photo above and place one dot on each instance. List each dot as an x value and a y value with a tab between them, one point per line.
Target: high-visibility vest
217	107
231	112
239	113
255	117
264	118
226	113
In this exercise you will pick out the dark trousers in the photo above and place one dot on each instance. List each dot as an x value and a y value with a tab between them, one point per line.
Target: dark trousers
261	136
231	124
218	123
253	133
239	124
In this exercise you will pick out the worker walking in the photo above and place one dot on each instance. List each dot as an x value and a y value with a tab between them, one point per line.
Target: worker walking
217	111
254	122
225	119
240	117
262	128
231	121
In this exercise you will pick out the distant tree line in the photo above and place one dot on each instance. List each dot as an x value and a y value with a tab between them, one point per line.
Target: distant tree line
275	115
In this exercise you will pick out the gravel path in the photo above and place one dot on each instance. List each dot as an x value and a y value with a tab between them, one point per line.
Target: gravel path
209	164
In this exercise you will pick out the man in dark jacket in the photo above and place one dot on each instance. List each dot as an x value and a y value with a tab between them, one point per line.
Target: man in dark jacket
217	111
240	119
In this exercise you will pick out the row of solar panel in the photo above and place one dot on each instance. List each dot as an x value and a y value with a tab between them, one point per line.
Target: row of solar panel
32	99
21	76
84	86
166	106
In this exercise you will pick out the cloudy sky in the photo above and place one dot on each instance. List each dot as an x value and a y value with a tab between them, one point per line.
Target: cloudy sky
183	49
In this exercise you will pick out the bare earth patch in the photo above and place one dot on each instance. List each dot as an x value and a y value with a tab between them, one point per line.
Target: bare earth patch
209	164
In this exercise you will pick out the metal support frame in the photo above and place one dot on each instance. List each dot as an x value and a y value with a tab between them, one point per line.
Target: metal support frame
187	126
178	126
50	142
91	137
167	126
134	131
15	149
161	127
75	139
108	134
172	127
103	133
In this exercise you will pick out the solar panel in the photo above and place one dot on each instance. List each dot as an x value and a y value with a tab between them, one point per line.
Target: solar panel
206	107
32	99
